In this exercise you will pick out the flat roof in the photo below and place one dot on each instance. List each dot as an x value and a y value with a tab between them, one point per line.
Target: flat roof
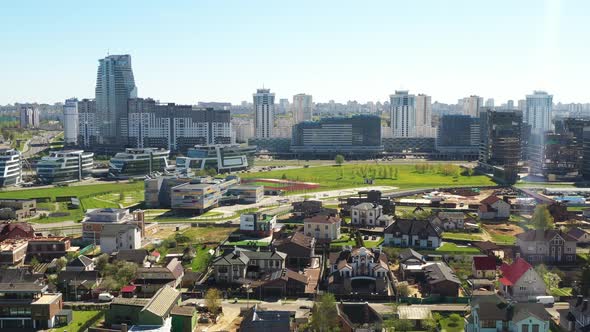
47	299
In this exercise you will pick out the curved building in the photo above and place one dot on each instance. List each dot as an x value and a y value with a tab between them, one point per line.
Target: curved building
10	167
222	158
65	165
138	162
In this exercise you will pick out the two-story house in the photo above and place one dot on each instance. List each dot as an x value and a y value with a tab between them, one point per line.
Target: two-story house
484	267
365	264
322	228
493	207
300	250
241	264
549	246
369	215
413	233
490	313
150	279
520	281
577	317
582	236
452	220
115	237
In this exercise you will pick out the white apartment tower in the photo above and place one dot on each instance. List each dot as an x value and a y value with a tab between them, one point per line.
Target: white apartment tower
424	116
471	106
71	121
403	114
302	108
264	108
539	111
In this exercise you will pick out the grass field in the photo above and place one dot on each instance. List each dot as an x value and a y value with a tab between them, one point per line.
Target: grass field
81	321
208	234
447	325
352	175
451	248
503	239
565	291
344	240
201	260
461	236
74	191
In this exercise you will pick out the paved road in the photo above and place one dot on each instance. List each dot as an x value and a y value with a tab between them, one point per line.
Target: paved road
39	143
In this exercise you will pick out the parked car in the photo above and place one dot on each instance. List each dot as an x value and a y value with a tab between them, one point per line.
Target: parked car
105	297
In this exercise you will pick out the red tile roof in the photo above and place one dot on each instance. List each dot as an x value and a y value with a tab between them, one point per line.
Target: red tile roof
490	199
319	219
484	263
128	289
512	273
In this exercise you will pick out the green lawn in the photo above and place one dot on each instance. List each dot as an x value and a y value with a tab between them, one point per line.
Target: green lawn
445	322
461	236
373	244
344	240
451	248
503	239
249	243
352	175
59	207
81	321
201	260
208	234
74	191
565	291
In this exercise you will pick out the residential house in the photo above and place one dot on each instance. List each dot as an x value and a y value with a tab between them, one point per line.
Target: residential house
490	313
256	319
415	314
358	317
81	263
454	220
484	267
369	215
577	317
48	248
280	284
16	230
489	248
115	237
370	196
582	236
137	256
17	209
411	262
549	246
257	224
154	311
361	263
241	264
150	279
184	318
26	304
322	228
492	208
520	281
300	250
441	280
95	220
413	233
311	208
13	252
78	285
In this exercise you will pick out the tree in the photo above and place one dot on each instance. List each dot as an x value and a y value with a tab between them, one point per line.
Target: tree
101	262
324	316
454	318
284	176
542	219
213	300
119	273
339	160
34	261
403	325
403	290
61	263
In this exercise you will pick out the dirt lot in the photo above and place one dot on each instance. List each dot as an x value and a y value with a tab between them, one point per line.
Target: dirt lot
503	229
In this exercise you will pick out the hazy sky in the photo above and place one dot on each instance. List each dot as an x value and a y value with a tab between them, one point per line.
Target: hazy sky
189	51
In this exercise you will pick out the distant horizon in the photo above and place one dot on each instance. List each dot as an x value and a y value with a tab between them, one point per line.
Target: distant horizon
223	51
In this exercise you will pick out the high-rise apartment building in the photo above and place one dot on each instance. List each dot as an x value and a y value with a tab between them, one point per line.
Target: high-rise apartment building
471	105
424	126
490	102
264	108
29	117
302	108
539	111
71	121
87	123
510	104
403	114
115	84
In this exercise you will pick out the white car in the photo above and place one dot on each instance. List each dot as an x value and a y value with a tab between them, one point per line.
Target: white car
105	297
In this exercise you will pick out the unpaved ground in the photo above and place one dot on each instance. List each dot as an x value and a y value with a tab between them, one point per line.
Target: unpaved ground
503	229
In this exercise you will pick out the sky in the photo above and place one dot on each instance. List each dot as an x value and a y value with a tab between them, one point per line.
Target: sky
189	51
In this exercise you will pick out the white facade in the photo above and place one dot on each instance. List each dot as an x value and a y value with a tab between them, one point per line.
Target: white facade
302	108
115	237
539	111
471	105
71	121
424	126
403	114
29	117
322	228
264	108
87	122
10	167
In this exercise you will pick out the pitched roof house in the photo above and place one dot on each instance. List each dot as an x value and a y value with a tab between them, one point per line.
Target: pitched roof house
150	279
450	220
492	313
493	207
358	317
239	264
520	281
549	246
370	264
300	250
441	280
581	235
577	317
413	233
16	230
484	267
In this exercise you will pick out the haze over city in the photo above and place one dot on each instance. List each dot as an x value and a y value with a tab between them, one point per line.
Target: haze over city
222	51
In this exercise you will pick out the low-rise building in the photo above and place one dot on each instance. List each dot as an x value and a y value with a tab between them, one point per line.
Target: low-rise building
520	281
493	207
490	313
441	280
197	197
548	246
150	279
322	228
300	250
81	263
453	220
256	319
413	233
582	236
78	285
65	166
362	263
484	267
184	318
247	194
16	230
115	237
48	248
369	215
577	317
257	224
13	252
241	264
96	219
358	317
17	209
137	256
370	196
310	208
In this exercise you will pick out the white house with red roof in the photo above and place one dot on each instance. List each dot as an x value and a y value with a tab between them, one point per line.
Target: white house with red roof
484	267
520	281
493	207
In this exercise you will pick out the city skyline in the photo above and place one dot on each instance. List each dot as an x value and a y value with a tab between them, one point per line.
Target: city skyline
359	53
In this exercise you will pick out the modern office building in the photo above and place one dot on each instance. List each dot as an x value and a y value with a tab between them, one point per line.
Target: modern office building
115	84
29	117
556	157
264	108
354	137
539	111
403	114
458	135
196	197
87	123
71	121
471	105
221	158
176	127
500	143
138	162
10	167
65	165
302	108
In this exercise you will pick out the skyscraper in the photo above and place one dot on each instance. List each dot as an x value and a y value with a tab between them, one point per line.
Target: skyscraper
490	102
424	116
538	112
29	117
302	108
471	105
114	86
264	108
71	121
87	126
403	114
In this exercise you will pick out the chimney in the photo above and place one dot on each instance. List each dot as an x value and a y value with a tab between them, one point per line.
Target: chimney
123	327
584	305
579	300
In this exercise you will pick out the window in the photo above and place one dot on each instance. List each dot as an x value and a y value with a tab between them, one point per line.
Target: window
222	269
416	242
326	227
525	328
535	327
522	288
488	323
429	244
